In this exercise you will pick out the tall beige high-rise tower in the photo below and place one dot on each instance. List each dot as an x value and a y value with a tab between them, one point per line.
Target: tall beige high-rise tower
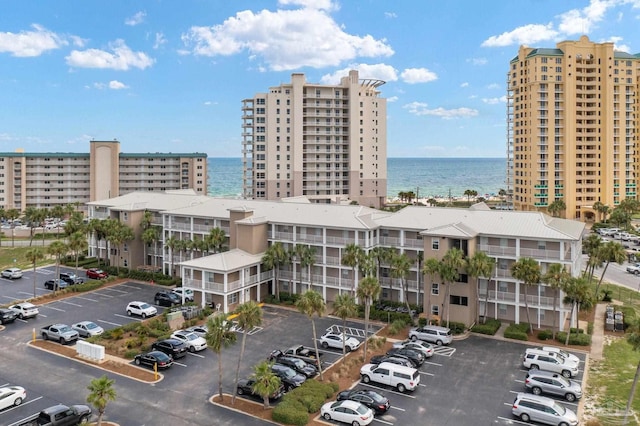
328	143
572	127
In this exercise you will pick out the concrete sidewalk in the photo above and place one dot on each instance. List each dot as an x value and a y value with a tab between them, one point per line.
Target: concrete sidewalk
597	338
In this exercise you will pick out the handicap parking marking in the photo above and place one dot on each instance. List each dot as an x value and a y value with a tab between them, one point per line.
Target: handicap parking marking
110	323
386	390
444	350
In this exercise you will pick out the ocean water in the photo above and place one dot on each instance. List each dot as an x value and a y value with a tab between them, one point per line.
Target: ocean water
428	177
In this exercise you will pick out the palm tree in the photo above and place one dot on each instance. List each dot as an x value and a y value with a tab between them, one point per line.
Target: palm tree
556	277
528	271
33	255
12	214
249	315
502	193
621	217
591	246
400	266
431	267
307	255
634	340
149	235
77	244
610	252
419	260
577	292
368	291
30	215
470	193
57	249
216	239
171	244
273	258
480	265
380	255
597	206
219	335
311	303
351	257
266	382
57	212
450	266
556	207
101	391
344	306
118	235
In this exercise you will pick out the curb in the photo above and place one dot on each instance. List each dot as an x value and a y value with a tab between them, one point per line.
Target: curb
211	401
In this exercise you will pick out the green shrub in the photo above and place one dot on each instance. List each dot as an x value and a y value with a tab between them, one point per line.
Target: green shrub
290	412
545	334
422	322
629	315
514	331
580	339
590	328
490	327
396	327
576	330
117	333
132	343
130	354
457	327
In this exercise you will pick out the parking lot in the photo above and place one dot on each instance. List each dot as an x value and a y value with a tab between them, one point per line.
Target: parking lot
471	382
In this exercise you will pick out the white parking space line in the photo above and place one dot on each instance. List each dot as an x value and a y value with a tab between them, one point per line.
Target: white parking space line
382	421
125	316
86	298
110	323
426	374
398	408
513	420
9	297
51	307
70	303
423	385
387	391
198	355
519	381
180	364
44	271
117	291
104	295
24	403
129	286
4	385
433	363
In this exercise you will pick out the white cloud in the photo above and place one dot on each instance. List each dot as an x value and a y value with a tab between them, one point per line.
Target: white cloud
392	99
117	85
285	39
418	75
376	71
582	21
478	61
527	34
493	86
617	45
31	43
390	15
159	41
121	59
420	108
327	5
136	19
465	84
493	101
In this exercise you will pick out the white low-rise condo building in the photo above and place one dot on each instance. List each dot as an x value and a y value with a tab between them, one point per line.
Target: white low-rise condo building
236	274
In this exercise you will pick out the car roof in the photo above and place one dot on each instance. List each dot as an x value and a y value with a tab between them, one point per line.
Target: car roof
398	367
537	398
544	373
349	403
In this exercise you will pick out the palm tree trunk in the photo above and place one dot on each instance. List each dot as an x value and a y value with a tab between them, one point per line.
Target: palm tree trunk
220	376
428	307
448	296
526	304
366	330
276	282
566	342
555	299
315	345
353	284
244	339
344	339
601	277
633	391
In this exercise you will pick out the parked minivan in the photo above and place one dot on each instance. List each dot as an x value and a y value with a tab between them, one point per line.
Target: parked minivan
398	376
543	410
432	334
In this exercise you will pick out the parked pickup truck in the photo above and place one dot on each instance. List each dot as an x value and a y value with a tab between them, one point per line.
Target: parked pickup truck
60	415
59	332
306	354
634	269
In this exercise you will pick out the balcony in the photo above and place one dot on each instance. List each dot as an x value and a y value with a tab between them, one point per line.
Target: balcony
534	301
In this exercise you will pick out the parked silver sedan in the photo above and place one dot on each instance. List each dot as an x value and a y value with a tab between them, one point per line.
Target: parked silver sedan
87	329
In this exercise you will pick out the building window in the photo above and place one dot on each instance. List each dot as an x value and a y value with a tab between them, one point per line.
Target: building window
435	289
233	298
435	244
502	309
459	300
435	310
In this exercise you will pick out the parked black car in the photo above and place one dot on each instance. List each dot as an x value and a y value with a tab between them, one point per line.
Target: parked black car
288	376
415	357
166	298
371	399
298	365
7	316
245	387
172	347
395	359
154	357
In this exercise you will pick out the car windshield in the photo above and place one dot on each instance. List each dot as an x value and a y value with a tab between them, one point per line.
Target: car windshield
190	336
559	409
564	382
298	362
91	326
289	373
65	329
376	397
145	306
362	409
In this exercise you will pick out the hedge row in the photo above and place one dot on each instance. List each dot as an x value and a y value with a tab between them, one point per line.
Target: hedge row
295	407
490	327
517	331
580	339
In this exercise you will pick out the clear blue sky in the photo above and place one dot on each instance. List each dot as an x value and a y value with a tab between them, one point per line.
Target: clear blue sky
169	76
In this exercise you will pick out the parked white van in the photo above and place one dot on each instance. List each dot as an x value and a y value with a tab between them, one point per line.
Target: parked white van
398	376
432	334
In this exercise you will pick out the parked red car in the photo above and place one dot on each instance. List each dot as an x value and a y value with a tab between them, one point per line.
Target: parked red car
96	274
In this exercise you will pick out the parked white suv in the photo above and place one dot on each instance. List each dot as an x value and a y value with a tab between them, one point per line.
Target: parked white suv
398	376
12	273
192	340
432	334
141	309
549	361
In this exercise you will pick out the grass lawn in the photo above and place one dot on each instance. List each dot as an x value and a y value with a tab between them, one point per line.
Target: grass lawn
8	254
